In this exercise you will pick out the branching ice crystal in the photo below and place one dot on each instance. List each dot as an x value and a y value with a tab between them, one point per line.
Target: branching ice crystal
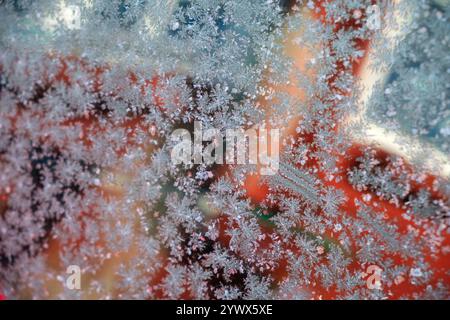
91	91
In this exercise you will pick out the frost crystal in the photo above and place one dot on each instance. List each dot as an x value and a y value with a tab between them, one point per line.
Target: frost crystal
91	91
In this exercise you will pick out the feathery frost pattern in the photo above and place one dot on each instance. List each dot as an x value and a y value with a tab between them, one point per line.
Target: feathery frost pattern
91	92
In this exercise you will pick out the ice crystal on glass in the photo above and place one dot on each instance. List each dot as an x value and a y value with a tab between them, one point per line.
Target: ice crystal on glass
91	91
